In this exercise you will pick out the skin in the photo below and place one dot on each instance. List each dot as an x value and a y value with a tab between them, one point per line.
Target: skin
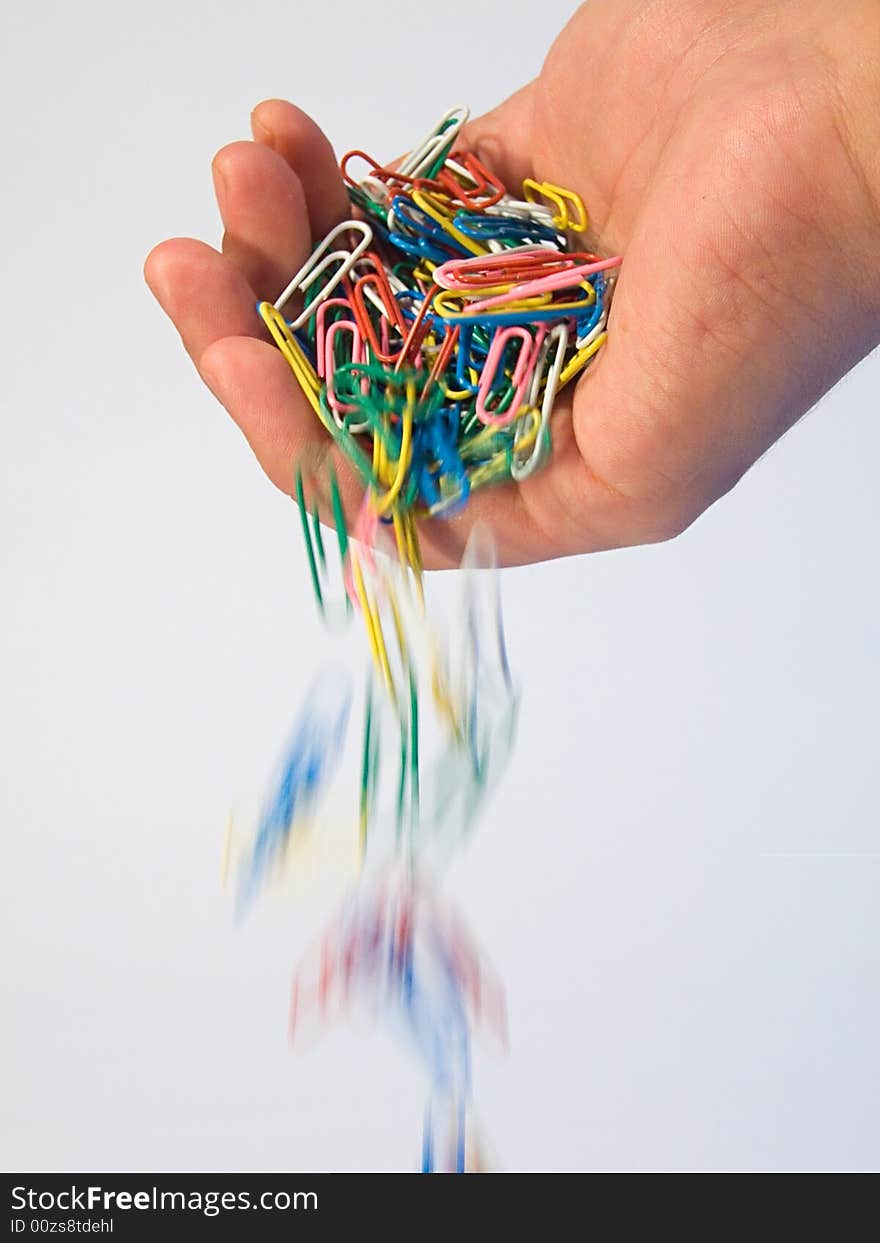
729	150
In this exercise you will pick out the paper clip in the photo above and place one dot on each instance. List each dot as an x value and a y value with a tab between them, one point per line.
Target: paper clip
467	181
429	154
522	468
563	200
319	261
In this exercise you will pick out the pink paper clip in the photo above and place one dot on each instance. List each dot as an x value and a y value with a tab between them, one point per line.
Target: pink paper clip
357	356
545	284
525	363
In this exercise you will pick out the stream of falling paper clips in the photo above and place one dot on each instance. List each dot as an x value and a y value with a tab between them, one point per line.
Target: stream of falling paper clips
431	334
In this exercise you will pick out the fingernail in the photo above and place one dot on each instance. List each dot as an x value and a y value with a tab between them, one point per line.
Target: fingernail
153	274
219	188
209	373
261	131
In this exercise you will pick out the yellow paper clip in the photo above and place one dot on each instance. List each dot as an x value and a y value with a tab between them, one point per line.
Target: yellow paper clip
287	343
561	199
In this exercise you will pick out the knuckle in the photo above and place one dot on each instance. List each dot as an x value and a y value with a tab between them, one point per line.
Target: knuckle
658	521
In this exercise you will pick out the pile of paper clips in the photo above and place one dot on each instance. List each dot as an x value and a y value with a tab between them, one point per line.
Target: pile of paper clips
435	332
431	334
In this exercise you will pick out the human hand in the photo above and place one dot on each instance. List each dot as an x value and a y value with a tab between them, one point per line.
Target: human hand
729	150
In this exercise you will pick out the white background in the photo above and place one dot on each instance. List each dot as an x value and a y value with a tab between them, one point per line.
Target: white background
678	880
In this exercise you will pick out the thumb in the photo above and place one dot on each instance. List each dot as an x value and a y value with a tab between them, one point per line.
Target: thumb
502	139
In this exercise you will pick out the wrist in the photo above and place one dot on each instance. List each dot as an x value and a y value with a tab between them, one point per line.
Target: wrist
851	44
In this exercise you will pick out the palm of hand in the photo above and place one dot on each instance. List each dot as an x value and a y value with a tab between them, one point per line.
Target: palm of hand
708	147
